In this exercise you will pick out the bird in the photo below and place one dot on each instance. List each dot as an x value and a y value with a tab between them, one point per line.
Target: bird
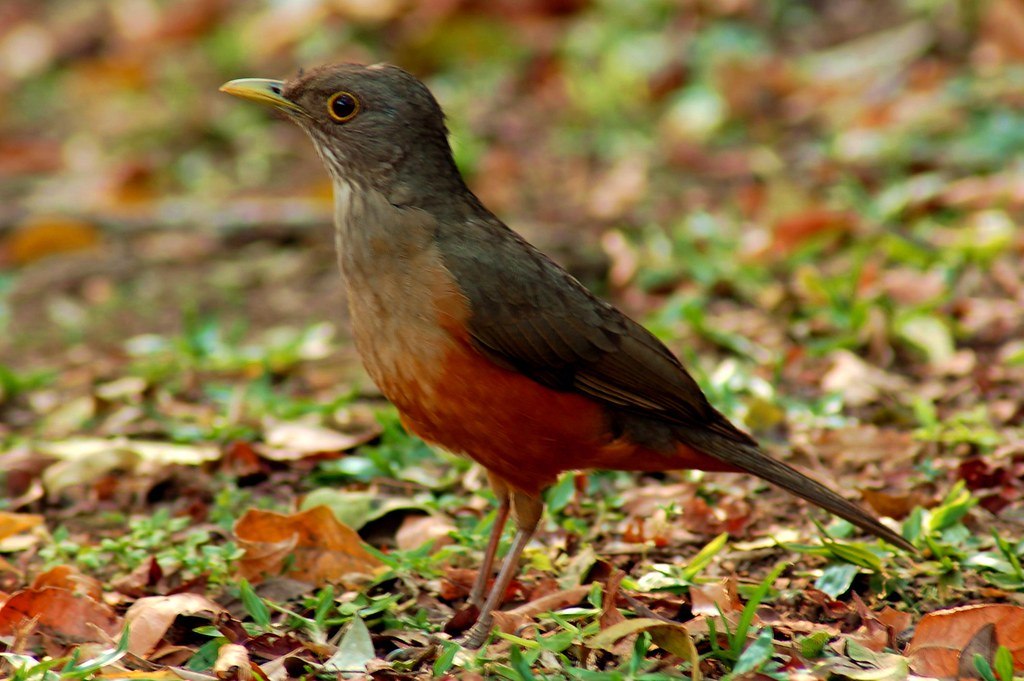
487	347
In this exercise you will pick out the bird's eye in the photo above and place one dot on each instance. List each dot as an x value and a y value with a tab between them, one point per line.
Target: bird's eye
343	106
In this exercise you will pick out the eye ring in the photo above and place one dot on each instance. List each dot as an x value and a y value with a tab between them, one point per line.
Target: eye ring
343	106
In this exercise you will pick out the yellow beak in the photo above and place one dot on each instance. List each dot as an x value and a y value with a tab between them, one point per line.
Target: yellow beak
260	90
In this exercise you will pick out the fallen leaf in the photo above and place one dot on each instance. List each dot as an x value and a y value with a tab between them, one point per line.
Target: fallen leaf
417	530
1002	28
171	453
861	444
457	583
354	651
861	663
671	636
895	621
983	643
509	621
77	449
16	523
43	235
70	579
312	546
86	459
232	663
87	469
610	614
930	334
148	619
291	440
941	637
896	506
356	508
792	231
858	382
715	599
59	612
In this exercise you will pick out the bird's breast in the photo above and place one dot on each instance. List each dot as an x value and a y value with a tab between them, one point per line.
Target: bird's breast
405	308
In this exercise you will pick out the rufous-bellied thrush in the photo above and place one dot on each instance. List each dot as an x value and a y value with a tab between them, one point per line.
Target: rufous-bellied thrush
486	347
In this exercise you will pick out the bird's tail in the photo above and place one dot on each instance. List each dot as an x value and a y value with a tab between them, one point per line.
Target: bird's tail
753	459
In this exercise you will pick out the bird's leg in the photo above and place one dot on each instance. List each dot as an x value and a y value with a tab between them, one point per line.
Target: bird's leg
476	596
526	512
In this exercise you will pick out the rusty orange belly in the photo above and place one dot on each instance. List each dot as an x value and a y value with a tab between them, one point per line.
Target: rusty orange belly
523	431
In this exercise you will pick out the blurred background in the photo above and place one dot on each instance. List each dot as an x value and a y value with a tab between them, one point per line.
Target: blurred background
813	190
815	203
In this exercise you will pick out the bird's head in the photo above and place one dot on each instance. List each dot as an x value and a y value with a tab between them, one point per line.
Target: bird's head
376	126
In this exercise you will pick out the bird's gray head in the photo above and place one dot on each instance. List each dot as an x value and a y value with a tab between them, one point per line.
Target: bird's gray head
373	126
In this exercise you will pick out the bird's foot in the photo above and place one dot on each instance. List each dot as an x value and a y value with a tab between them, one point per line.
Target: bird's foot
479	633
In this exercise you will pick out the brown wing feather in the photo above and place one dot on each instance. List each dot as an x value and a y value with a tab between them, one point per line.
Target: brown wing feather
531	315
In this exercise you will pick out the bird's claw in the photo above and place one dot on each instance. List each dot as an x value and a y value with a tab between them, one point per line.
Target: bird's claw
478	633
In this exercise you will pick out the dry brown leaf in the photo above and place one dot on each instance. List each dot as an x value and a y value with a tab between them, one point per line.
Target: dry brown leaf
417	530
232	663
457	583
509	621
862	444
88	469
717	598
896	506
31	155
619	188
942	637
982	643
1001	189
897	622
171	655
643	500
792	231
70	579
610	614
293	440
59	612
857	381
149	618
43	235
1002	29
314	545
16	523
671	636
907	286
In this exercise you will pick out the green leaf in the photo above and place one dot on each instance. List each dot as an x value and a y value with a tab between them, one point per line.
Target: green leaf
747	616
928	333
836	578
813	645
757	653
855	553
1004	663
206	655
254	605
519	664
560	494
324	603
445	660
704	557
913	526
954	507
983	668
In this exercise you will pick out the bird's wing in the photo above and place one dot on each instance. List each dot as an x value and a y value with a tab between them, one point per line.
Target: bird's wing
531	315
